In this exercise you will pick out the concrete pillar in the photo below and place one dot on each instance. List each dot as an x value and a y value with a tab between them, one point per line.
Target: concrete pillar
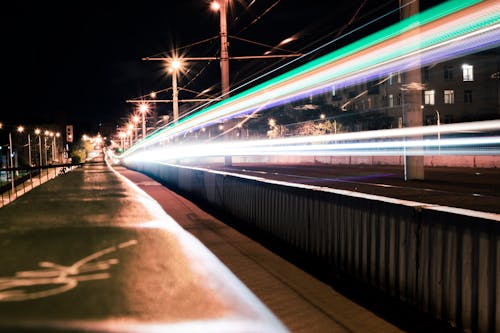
412	101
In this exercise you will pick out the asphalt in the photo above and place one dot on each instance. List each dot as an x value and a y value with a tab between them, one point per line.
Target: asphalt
88	251
111	250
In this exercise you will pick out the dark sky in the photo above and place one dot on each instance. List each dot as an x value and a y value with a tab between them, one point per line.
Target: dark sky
79	61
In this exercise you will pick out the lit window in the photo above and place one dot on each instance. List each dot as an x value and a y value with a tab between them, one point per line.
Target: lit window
390	79
429	97
468	72
449	97
467	96
333	91
391	100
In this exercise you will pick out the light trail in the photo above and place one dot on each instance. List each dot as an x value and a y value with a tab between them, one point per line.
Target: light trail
436	34
411	141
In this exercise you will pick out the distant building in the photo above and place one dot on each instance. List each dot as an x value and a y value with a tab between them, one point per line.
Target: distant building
459	90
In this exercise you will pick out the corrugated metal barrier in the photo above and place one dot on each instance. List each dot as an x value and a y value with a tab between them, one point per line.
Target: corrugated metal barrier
442	260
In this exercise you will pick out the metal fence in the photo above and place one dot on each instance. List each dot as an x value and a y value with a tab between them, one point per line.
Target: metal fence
442	260
15	182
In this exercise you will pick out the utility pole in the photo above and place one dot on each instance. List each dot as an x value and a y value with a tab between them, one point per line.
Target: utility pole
11	164
224	52
412	100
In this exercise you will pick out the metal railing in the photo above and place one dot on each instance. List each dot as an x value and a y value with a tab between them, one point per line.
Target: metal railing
441	260
15	182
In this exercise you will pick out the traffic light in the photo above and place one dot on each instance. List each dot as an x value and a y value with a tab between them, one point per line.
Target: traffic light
69	133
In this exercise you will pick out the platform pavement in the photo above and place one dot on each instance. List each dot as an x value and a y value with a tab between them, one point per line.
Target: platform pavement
89	252
300	300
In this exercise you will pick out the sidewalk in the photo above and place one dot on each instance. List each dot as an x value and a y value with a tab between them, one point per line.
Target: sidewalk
303	303
88	251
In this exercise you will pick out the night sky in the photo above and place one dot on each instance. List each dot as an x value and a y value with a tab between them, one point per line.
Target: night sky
79	61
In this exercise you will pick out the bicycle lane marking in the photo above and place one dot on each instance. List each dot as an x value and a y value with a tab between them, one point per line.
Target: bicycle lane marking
61	278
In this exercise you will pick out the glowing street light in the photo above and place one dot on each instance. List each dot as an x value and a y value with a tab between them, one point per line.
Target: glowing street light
143	109
37	132
135	121
122	136
221	7
175	66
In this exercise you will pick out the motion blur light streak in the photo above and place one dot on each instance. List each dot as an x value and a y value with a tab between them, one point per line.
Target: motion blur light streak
339	144
438	33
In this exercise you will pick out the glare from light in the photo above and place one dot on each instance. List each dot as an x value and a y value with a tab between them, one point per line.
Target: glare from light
215	5
287	40
143	108
176	64
20	129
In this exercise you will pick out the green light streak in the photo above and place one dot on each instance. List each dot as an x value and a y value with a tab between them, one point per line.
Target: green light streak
238	102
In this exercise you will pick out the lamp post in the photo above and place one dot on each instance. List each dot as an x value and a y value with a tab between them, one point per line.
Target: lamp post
135	120
20	130
174	67
56	136
143	108
130	133
221	6
122	136
11	164
37	132
51	134
46	134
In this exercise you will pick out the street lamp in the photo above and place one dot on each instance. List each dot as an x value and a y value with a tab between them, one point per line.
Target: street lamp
37	132
46	134
221	6
135	120
20	129
143	109
57	136
11	164
174	67
122	136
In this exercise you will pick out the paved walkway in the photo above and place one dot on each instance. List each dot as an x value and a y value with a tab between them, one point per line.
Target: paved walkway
301	302
89	252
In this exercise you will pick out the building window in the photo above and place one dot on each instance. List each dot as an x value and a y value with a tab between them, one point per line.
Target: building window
390	79
468	72
426	73
449	97
334	92
448	72
391	101
467	96
429	97
369	101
